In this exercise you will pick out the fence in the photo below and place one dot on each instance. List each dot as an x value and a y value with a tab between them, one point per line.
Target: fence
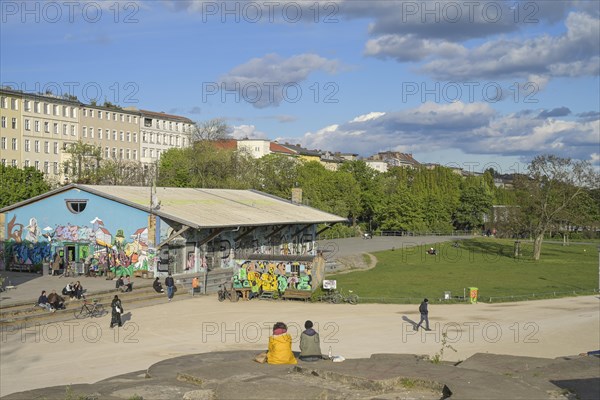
343	235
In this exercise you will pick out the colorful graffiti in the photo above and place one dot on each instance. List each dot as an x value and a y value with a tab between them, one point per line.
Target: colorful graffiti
268	276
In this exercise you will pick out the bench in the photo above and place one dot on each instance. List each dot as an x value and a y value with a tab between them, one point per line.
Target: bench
297	294
266	296
20	267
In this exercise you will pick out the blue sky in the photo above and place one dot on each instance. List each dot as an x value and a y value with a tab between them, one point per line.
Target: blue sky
473	84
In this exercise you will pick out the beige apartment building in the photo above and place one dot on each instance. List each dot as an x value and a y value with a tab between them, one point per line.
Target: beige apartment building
45	125
10	128
36	129
114	130
160	132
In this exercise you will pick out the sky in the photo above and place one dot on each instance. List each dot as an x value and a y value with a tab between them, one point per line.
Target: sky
474	84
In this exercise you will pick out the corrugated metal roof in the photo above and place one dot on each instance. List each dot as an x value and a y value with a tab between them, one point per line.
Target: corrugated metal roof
209	208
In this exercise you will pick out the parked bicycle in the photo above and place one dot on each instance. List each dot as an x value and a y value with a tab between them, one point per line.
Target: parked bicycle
93	309
225	293
335	297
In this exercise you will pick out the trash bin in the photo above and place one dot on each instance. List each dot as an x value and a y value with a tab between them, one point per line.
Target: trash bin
473	293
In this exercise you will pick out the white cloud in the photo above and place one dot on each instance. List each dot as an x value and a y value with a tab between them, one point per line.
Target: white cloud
247	132
472	128
264	82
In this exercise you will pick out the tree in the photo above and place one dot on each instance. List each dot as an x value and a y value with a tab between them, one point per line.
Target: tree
213	129
552	185
84	161
20	184
475	201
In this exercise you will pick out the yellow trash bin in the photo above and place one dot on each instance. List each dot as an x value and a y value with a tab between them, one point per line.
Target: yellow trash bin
473	292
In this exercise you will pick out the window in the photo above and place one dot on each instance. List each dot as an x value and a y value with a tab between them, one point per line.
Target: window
37	165
129	118
13	163
144	152
144	137
65	111
157	153
37	146
47	127
26	105
37	126
36	107
4	162
120	154
55	168
92	113
106	152
135	120
129	136
135	154
3	122
26	163
107	116
134	137
55	147
13	123
3	102
84	131
127	154
99	133
56	128
91	132
122	117
85	112
100	114
114	153
73	131
76	206
121	136
114	116
46	167
65	129
47	147
13	104
55	107
114	135
14	144
46	108
3	143
158	138
151	153
27	145
27	125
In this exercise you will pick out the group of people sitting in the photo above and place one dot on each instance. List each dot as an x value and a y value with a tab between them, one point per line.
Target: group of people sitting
280	345
52	302
73	290
124	284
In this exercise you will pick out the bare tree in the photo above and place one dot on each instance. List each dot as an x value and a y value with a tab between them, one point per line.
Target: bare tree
549	191
213	129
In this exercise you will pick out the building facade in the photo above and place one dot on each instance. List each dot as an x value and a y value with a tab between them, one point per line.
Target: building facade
160	132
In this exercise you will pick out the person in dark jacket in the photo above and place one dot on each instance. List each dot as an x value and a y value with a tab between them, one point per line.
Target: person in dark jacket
158	286
56	301
424	315
43	302
310	346
170	284
117	310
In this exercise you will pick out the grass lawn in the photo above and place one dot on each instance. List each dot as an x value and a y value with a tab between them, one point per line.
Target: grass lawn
408	275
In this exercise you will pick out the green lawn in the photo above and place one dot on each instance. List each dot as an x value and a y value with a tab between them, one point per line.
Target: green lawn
407	275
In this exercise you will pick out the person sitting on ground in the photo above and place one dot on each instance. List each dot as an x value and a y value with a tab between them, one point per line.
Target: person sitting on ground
43	302
68	290
158	286
119	282
57	302
78	290
195	285
432	251
310	346
127	284
280	346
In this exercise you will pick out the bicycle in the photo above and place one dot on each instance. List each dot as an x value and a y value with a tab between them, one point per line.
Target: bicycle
224	293
92	310
335	297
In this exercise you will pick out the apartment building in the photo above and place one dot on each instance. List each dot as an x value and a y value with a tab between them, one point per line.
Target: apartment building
10	133
160	132
114	130
35	129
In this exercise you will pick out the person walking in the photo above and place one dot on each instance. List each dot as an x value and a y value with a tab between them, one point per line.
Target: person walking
117	310
170	284
424	315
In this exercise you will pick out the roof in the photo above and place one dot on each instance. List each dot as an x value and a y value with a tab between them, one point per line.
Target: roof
206	208
225	144
301	150
277	148
166	116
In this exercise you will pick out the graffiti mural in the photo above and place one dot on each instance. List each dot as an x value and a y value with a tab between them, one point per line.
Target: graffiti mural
271	276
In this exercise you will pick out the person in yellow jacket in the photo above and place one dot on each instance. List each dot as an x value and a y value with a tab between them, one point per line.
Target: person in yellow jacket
280	346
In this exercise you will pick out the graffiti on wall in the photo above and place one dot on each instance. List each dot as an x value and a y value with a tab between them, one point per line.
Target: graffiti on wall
270	276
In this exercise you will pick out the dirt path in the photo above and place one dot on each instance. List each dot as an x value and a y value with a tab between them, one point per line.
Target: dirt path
88	351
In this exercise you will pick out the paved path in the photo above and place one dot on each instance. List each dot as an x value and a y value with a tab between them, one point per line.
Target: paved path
88	351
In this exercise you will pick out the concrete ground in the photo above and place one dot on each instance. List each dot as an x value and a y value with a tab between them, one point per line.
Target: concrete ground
74	352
